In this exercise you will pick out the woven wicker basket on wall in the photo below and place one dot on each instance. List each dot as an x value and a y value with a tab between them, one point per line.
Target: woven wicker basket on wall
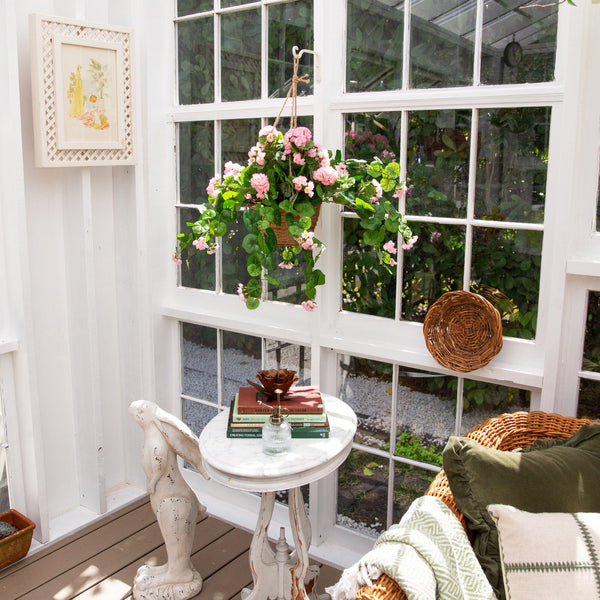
463	331
281	231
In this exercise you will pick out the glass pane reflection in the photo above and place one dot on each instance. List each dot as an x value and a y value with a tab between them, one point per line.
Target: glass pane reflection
199	357
240	55
589	400
519	42
591	347
195	44
196	160
198	268
441	51
512	164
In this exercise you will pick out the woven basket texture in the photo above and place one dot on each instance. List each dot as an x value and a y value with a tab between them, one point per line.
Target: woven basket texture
281	231
15	546
463	331
505	432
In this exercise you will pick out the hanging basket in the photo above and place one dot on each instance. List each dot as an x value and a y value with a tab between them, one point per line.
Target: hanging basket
463	331
281	231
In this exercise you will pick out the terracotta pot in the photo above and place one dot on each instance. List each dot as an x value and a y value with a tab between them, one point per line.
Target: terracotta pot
15	546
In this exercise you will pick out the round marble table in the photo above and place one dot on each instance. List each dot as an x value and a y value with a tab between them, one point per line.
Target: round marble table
242	465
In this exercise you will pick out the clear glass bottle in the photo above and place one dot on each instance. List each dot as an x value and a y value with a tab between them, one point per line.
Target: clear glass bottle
276	432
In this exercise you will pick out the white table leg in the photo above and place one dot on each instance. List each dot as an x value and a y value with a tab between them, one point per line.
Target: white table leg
302	533
262	559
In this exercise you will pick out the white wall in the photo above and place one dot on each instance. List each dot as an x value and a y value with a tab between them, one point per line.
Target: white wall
74	299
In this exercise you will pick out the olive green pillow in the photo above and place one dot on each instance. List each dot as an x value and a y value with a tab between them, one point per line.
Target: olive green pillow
560	478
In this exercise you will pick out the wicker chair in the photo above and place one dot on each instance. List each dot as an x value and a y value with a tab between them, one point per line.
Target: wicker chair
505	432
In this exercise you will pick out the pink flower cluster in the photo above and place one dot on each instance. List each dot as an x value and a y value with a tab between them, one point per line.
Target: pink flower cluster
309	305
301	182
285	264
232	169
256	154
410	243
240	292
326	175
175	258
390	247
298	136
269	132
307	242
260	182
200	244
210	188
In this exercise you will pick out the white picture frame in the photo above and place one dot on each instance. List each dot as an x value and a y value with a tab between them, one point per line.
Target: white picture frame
82	93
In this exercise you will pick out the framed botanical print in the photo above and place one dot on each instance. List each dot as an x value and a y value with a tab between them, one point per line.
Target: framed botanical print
82	91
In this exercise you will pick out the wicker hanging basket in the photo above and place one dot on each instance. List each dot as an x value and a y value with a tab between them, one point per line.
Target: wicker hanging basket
463	331
281	231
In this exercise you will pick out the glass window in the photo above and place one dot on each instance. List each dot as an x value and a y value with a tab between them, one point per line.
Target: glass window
591	348
190	7
598	207
512	164
289	25
374	46
240	55
4	497
518	42
441	44
195	45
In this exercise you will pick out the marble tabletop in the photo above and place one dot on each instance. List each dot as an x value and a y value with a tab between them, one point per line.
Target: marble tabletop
241	464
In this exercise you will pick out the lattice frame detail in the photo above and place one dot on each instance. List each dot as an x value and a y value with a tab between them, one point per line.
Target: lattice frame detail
43	73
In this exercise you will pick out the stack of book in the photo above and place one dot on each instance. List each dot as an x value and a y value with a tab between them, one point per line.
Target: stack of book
303	409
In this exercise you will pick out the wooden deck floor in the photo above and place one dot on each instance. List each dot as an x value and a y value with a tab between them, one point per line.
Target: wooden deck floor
99	562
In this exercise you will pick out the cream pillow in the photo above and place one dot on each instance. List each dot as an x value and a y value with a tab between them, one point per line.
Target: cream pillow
548	555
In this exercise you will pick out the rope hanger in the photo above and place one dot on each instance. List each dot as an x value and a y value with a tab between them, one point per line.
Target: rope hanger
293	91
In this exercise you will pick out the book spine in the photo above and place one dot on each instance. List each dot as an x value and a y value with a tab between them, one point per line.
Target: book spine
256	418
313	432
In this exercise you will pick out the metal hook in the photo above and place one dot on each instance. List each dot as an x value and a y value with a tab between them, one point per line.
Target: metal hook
299	54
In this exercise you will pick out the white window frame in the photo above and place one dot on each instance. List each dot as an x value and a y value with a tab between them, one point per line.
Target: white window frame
523	363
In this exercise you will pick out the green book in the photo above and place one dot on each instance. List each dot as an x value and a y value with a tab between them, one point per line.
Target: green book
297	432
261	418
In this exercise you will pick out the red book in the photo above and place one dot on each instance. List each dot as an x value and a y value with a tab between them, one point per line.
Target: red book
299	400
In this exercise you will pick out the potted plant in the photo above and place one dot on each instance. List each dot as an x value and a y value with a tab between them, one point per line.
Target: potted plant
16	532
278	195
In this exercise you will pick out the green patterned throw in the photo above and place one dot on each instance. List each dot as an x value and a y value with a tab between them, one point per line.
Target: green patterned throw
428	554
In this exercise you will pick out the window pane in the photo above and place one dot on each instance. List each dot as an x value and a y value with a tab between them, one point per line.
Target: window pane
410	483
362	493
441	51
366	385
291	280
190	7
200	375
369	135
512	164
290	25
438	162
519	44
240	55
234	257
198	268
483	400
196	416
285	355
591	347
506	271
434	266
195	43
589	400
241	361
368	287
228	3
374	47
196	160
239	136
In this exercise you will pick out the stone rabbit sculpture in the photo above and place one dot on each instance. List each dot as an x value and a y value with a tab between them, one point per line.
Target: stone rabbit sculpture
173	502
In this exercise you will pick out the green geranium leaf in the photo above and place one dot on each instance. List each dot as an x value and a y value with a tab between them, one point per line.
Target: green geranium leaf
373	238
305	209
218	229
251	243
287	207
252	303
253	288
254	265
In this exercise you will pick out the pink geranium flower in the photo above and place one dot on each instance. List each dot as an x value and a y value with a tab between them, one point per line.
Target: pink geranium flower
410	243
175	258
210	188
306	241
260	182
232	169
299	182
390	247
200	244
309	305
326	175
240	292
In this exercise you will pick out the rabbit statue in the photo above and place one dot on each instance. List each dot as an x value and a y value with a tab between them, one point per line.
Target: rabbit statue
173	502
